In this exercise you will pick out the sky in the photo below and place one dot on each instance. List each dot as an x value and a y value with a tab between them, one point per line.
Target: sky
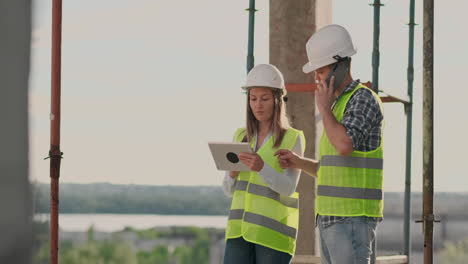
147	83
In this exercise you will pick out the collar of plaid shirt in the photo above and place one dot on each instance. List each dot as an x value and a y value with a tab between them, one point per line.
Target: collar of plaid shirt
347	89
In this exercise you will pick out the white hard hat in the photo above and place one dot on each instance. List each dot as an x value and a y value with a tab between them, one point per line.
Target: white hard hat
328	45
265	75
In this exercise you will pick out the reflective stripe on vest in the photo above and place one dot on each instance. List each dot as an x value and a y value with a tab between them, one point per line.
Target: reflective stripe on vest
262	221
267	192
349	192
235	214
241	185
352	162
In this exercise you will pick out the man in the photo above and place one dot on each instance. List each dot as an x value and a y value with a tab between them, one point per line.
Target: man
349	201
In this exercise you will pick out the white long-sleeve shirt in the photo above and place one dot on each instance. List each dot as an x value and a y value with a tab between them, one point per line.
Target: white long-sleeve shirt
284	183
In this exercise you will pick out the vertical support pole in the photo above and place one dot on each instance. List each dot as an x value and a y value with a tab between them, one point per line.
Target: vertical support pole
54	153
291	25
250	48
409	133
428	136
375	51
375	78
16	221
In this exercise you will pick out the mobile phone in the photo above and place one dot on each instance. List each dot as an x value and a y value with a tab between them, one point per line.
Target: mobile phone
339	71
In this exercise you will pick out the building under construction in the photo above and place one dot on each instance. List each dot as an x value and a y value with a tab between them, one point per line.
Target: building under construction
305	17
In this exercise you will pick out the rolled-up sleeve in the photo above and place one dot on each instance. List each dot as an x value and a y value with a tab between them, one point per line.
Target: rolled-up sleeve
229	184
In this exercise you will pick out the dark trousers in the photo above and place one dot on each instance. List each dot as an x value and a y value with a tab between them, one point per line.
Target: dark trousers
239	251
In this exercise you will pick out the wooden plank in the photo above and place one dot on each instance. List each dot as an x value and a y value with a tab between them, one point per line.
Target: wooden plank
311	259
311	87
393	99
397	259
305	259
301	87
389	98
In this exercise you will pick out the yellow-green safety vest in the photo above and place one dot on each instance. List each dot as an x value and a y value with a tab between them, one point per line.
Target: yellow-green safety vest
349	185
259	214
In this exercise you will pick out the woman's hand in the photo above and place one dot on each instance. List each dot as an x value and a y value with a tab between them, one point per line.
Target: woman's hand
287	159
251	160
233	174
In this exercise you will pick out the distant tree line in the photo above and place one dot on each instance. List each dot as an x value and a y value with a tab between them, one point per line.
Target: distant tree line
134	199
198	200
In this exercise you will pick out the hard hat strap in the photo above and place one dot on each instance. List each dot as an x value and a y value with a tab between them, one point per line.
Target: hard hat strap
338	58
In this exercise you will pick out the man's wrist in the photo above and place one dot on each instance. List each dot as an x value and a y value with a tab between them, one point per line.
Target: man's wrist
325	111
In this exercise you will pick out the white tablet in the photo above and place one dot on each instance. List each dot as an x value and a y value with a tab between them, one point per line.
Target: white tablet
226	157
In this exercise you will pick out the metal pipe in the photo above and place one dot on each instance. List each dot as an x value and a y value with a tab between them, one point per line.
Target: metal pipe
375	51
250	51
55	153
428	125
375	78
409	133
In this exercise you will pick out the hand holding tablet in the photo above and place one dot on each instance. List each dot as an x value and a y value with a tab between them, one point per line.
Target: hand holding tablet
226	155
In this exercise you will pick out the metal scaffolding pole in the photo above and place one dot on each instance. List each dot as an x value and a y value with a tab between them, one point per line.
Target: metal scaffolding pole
375	77
250	52
55	154
376	52
428	136
409	133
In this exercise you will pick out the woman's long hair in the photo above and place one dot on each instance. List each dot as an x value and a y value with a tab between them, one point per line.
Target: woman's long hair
280	122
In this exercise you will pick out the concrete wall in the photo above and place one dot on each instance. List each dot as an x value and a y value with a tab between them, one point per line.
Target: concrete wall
15	197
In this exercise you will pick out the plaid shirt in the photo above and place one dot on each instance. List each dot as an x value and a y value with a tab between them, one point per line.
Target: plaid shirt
363	122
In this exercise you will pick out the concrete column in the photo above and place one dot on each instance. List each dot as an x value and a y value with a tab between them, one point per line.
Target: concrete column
291	25
15	194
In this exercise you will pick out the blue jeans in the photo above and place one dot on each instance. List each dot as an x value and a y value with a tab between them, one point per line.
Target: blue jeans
239	251
349	241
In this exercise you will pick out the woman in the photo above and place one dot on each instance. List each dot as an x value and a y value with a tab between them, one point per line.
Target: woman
263	220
